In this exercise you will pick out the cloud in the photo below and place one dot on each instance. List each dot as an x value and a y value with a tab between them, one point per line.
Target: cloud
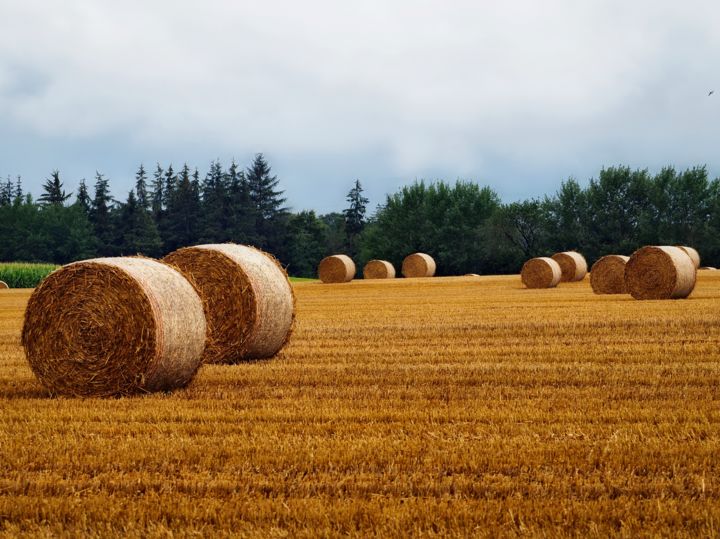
451	89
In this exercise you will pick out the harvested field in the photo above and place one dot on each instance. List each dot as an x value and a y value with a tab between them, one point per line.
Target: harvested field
463	406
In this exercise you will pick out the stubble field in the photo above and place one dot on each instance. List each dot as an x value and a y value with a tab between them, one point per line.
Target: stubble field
459	406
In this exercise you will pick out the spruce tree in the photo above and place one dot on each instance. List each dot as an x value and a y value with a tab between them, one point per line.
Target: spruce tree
100	216
6	195
183	213
241	213
18	188
170	184
158	193
267	203
354	216
83	200
136	231
141	188
214	218
53	192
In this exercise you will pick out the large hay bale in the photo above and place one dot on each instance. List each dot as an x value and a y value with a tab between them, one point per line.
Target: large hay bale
379	269
3	285
692	253
572	264
248	299
607	275
662	272
336	269
708	268
114	326
418	265
541	272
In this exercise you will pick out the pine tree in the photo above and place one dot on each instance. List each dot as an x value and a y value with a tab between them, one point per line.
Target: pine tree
267	203
158	194
240	212
214	222
53	192
6	195
83	200
18	188
170	184
141	188
136	231
100	216
355	216
183	213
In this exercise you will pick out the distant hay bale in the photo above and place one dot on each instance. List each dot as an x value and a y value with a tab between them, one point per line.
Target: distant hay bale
572	264
541	272
114	326
692	253
336	269
3	285
708	268
472	275
418	265
662	272
248	300
379	269
607	275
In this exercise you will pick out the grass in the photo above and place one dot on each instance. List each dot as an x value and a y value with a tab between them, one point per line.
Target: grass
458	406
24	274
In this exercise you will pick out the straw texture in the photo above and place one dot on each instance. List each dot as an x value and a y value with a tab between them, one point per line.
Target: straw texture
418	265
662	272
336	269
541	272
607	275
692	253
379	269
572	264
248	300
114	326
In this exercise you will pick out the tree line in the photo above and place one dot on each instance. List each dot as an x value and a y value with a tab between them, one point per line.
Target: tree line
464	226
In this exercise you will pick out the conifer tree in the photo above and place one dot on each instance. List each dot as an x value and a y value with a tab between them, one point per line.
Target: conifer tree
136	231
354	216
158	193
53	192
183	213
6	194
100	216
18	188
83	200
267	203
141	188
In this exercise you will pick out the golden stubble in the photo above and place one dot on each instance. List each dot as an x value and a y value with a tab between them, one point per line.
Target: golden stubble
443	406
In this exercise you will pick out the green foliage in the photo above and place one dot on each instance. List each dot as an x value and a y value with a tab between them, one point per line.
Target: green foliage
23	274
445	221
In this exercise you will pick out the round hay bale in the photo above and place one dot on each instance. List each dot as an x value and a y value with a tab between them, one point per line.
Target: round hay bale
114	326
418	265
607	275
336	269
249	302
379	269
472	275
692	253
3	285
541	272
572	264
708	268
663	272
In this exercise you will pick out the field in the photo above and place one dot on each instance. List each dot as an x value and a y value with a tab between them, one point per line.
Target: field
24	274
454	406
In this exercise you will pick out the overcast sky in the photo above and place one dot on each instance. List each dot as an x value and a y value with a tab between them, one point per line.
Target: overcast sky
517	95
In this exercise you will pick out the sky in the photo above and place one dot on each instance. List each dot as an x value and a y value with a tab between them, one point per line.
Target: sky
517	95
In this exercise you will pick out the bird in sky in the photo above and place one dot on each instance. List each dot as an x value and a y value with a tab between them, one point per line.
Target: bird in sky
711	92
